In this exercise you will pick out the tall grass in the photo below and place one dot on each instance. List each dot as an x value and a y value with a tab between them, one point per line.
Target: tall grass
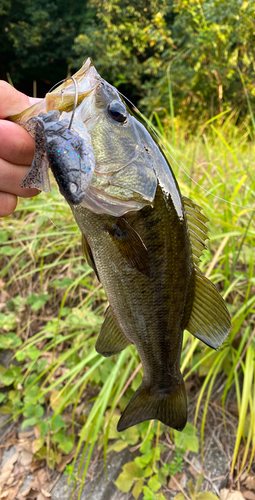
53	302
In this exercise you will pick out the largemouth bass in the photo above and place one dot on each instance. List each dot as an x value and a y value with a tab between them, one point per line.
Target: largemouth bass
144	240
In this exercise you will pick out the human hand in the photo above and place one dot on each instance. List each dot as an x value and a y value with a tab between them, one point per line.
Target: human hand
16	149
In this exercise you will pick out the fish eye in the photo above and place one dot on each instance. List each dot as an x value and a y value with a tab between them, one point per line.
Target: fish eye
117	111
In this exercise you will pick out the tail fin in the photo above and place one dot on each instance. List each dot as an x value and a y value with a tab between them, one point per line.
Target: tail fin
144	405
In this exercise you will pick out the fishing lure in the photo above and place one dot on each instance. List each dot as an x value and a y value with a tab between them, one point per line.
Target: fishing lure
69	154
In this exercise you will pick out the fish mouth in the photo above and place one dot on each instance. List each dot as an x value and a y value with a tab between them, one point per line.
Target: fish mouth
63	97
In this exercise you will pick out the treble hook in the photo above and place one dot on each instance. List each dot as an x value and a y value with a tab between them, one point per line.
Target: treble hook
76	96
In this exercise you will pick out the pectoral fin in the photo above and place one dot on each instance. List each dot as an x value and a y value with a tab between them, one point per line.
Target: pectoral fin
130	245
88	255
111	340
209	320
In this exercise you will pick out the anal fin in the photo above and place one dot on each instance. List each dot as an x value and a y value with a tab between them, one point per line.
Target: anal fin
111	340
146	405
209	319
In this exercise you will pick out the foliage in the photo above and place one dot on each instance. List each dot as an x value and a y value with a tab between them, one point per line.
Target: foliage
56	376
196	48
127	41
146	474
194	492
36	40
211	39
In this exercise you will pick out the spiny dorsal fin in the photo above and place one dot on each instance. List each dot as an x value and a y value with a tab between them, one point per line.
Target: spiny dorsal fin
111	340
197	228
209	320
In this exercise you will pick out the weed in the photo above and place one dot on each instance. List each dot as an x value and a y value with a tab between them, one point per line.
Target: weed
52	308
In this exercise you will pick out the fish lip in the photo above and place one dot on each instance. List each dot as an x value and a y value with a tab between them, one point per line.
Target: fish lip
87	79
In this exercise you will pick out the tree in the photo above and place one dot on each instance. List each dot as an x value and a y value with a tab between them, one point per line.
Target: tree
36	40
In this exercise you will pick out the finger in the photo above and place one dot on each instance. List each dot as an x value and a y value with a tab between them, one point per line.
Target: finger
12	101
11	177
8	203
16	145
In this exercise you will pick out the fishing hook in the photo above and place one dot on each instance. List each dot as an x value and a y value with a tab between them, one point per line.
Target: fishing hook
76	96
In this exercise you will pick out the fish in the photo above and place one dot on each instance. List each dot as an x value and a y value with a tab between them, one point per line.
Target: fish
144	241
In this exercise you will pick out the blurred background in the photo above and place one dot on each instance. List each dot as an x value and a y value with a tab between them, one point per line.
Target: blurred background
140	46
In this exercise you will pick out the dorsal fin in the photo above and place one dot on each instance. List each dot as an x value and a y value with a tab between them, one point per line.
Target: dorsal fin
111	340
198	231
209	320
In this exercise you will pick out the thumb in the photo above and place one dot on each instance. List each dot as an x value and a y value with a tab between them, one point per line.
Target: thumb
12	101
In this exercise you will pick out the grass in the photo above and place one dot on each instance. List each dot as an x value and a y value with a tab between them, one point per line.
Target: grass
52	307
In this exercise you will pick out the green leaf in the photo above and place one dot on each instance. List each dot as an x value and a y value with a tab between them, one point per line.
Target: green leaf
187	439
41	365
160	496
8	377
124	482
64	283
145	459
38	444
7	250
199	481
118	446
41	454
145	446
59	437
138	488
128	475
2	397
67	445
29	411
20	355
113	433
148	494
3	236
43	427
153	483
8	321
6	409
10	341
28	422
33	353
34	411
132	470
206	495
58	423
131	435
38	301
